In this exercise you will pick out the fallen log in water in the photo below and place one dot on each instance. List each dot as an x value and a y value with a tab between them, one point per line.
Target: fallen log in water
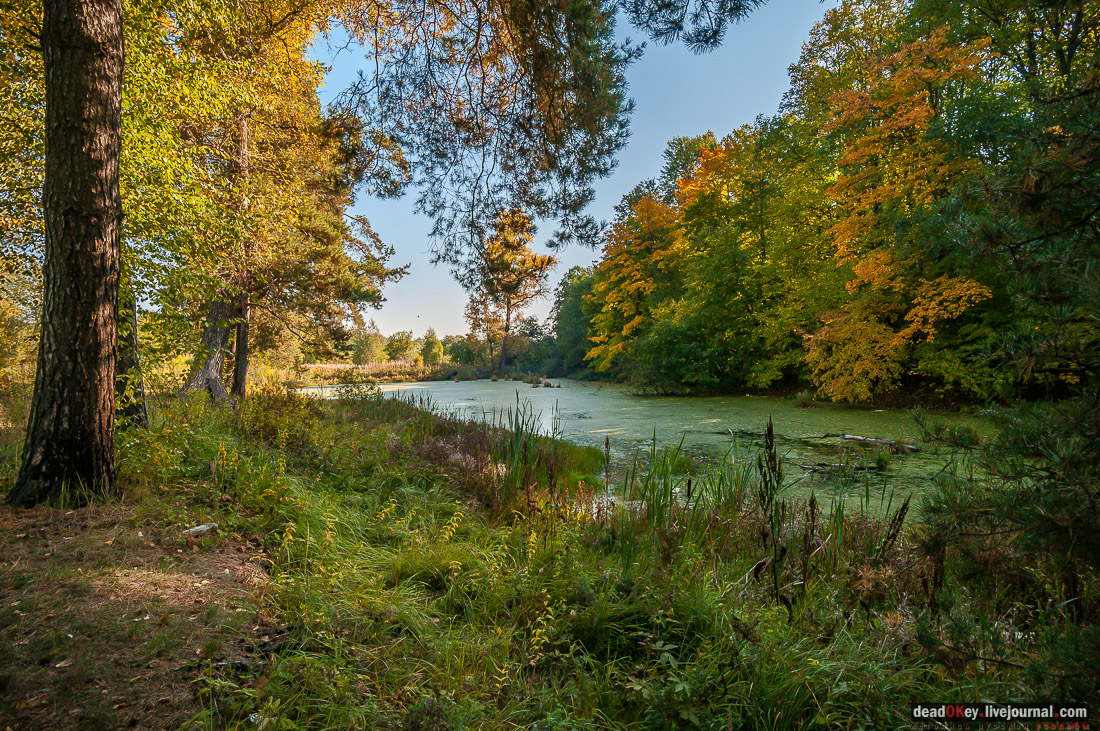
896	446
831	467
745	433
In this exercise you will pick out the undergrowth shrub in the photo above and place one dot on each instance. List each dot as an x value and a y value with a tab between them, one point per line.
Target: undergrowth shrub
15	394
962	436
284	419
433	570
1019	551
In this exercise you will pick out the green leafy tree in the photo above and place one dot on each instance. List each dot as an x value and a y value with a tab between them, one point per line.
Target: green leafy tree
572	319
468	351
368	345
432	349
292	172
399	346
19	309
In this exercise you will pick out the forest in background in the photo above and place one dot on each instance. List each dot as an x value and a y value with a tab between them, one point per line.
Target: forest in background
236	184
918	216
263	559
914	223
915	219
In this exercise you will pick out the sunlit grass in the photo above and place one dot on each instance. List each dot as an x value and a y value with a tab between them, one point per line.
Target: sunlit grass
432	572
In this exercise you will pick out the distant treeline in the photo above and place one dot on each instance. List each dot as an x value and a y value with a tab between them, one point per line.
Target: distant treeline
919	213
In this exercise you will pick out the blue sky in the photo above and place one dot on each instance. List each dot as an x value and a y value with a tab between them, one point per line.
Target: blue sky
676	93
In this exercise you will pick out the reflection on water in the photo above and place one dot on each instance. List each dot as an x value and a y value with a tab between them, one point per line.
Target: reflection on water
587	413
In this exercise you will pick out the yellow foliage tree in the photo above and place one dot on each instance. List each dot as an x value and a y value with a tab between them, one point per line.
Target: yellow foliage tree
893	169
512	275
638	261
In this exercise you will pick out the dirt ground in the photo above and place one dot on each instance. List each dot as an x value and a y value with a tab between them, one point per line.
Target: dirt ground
107	616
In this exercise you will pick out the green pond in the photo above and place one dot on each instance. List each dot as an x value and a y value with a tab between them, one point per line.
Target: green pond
588	413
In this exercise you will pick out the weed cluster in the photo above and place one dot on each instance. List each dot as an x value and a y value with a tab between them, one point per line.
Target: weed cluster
389	371
480	576
435	573
961	436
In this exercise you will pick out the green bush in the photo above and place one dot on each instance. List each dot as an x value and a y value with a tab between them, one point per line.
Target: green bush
283	418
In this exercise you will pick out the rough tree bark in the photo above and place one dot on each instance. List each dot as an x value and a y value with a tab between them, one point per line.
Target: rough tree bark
504	339
207	375
240	361
240	351
68	450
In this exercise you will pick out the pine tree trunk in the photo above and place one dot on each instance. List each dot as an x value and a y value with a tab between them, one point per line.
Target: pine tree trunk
240	362
504	339
68	450
215	341
129	383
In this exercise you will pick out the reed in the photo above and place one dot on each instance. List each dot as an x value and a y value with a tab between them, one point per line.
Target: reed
432	569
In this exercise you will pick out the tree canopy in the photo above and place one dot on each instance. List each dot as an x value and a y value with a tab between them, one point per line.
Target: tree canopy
890	225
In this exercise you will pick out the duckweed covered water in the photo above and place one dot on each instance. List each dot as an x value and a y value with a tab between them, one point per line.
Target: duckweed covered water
588	413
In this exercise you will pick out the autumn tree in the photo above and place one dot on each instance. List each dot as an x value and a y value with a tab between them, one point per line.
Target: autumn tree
637	272
895	172
757	267
511	275
485	318
799	251
840	55
68	451
838	242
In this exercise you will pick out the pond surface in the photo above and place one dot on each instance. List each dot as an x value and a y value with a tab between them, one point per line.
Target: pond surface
588	413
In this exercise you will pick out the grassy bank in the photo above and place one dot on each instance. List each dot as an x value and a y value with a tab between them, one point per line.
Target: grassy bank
388	372
318	374
378	566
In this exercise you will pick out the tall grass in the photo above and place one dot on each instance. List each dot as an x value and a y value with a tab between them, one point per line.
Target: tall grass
378	372
435	572
16	384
